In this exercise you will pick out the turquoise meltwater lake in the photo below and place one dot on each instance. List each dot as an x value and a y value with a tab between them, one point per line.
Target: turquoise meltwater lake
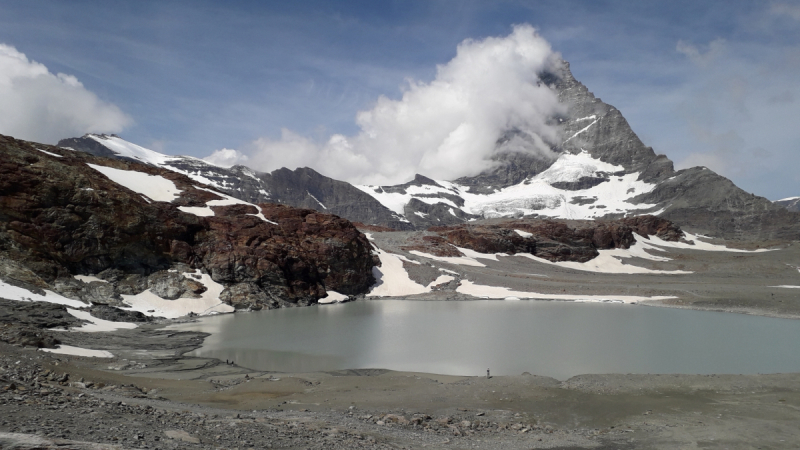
557	339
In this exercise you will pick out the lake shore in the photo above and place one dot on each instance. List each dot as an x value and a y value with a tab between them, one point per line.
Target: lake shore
151	396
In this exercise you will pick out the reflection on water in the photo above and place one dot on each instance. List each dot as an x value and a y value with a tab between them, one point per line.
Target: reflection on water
557	339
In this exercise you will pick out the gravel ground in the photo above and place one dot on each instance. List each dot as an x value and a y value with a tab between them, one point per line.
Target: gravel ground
43	404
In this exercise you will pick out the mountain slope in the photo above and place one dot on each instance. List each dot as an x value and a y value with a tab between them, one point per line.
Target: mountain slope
301	188
791	203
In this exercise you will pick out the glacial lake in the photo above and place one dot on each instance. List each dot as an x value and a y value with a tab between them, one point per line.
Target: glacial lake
557	339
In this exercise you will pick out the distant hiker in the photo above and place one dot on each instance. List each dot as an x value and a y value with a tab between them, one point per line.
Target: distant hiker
487	374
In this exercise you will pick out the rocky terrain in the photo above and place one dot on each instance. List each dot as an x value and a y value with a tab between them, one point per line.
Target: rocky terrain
61	217
792	203
549	239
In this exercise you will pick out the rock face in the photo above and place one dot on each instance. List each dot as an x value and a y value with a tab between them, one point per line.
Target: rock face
60	217
549	239
296	260
792	204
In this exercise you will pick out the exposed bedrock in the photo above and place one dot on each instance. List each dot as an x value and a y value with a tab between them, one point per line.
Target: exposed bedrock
60	217
549	239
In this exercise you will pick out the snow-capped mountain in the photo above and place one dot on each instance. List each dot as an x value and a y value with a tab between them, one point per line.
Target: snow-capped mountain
790	203
600	170
301	188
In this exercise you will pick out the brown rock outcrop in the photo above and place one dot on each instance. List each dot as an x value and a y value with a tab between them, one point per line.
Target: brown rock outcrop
552	239
60	217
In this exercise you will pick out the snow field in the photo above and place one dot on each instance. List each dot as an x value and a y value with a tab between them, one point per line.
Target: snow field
154	187
78	351
482	291
133	151
11	292
392	278
98	325
535	195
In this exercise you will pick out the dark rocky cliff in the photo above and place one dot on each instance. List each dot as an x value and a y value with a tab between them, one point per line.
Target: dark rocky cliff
59	217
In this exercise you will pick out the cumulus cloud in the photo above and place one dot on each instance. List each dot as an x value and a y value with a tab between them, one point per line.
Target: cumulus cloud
446	128
38	105
226	157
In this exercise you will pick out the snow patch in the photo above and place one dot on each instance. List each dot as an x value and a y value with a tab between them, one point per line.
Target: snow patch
581	131
88	278
50	153
10	292
124	148
460	260
226	200
610	261
332	297
199	211
441	279
207	304
477	290
79	351
392	279
98	325
155	187
315	199
698	245
524	234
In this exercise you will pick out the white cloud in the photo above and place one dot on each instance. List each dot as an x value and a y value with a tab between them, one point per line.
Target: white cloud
40	106
444	129
226	157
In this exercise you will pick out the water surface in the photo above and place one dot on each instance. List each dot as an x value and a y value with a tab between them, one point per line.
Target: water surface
557	339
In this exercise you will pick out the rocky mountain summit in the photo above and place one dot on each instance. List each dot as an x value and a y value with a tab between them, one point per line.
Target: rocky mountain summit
601	169
142	233
791	203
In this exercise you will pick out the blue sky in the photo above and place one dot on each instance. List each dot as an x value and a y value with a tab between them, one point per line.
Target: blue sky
706	83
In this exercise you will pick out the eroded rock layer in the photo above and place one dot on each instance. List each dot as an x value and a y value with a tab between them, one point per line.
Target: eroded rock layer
549	239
